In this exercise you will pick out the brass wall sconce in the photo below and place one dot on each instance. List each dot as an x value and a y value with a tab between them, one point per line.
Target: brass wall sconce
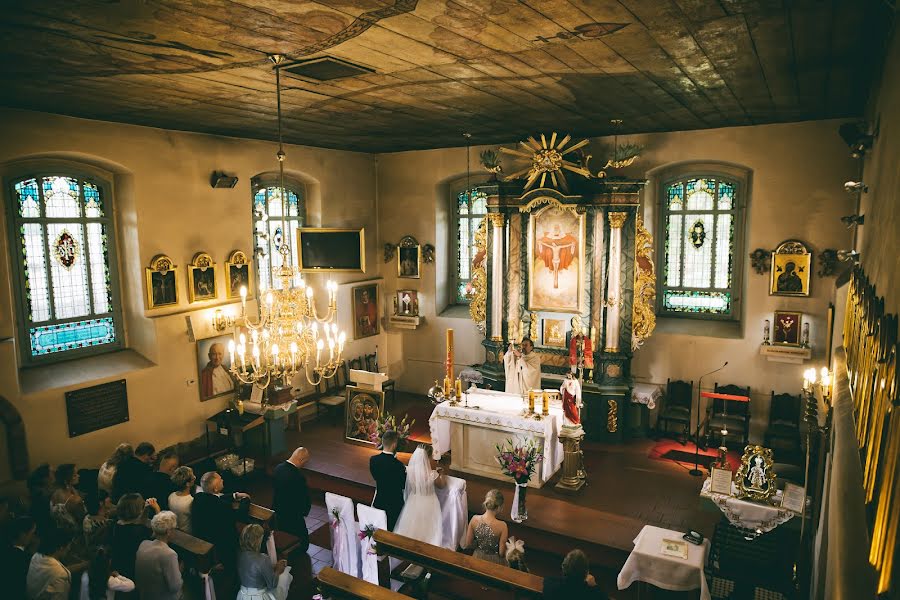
855	187
848	256
222	320
851	220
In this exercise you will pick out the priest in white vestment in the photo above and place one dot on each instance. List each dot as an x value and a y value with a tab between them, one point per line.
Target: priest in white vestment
523	369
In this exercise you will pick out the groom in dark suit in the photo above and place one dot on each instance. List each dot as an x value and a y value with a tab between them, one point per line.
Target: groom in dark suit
390	478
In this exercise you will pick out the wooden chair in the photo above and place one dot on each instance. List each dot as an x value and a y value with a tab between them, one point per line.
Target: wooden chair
677	408
333	396
371	362
783	432
730	415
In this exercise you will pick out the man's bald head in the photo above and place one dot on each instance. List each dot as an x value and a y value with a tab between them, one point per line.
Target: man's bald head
299	457
216	354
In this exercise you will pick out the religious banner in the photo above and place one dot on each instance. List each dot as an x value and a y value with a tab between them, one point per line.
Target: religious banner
556	259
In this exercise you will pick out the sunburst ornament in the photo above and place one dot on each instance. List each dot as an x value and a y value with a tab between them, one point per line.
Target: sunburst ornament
547	159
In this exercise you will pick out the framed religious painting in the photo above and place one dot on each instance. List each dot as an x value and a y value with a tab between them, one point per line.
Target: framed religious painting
213	363
202	278
406	303
787	327
554	333
791	268
755	477
364	412
555	259
409	258
237	275
365	311
162	288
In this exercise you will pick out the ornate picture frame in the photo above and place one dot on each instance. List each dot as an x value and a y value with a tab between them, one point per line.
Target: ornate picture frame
366	312
787	328
202	278
409	258
364	410
791	269
237	274
162	282
755	478
554	333
213	362
556	258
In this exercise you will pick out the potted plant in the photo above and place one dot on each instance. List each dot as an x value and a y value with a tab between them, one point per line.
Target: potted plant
519	462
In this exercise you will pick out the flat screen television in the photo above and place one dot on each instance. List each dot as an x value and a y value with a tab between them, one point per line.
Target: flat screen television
329	249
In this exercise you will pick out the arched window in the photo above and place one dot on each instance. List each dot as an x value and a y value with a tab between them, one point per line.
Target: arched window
267	221
700	257
470	209
63	242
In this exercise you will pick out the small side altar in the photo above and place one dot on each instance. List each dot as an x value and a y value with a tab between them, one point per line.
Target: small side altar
472	434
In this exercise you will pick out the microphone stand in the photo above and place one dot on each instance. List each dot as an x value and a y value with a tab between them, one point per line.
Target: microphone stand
696	472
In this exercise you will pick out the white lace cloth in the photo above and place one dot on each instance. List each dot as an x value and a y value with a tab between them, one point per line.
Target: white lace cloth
647	563
504	411
454	507
369	517
344	538
646	393
746	514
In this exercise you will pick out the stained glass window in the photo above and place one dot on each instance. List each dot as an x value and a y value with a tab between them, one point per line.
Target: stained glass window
697	277
68	305
268	206
471	208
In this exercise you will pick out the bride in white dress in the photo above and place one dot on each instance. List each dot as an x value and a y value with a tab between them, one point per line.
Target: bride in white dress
420	518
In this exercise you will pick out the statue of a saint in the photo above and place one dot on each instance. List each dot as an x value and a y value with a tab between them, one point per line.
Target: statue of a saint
758	475
581	351
571	401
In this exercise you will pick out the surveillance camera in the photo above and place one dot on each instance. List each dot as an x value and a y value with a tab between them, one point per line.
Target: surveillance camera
856	186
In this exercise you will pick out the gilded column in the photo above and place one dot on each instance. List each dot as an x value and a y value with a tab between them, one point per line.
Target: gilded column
513	269
597	280
496	221
614	283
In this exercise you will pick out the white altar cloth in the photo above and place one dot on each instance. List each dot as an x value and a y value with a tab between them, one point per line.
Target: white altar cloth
647	563
756	516
498	418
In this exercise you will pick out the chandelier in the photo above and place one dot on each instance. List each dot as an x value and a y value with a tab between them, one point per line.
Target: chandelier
289	336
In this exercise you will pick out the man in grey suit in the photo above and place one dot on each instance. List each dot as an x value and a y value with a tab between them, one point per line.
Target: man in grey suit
157	574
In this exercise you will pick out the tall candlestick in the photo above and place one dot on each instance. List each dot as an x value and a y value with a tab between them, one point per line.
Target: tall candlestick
450	354
546	407
530	401
458	388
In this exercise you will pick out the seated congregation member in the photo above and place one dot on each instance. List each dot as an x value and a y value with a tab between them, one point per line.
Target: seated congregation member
15	558
48	578
420	518
132	472
487	531
66	504
107	472
576	581
129	531
182	498
158	483
390	478
156	571
100	582
260	580
291	501
96	524
39	491
214	519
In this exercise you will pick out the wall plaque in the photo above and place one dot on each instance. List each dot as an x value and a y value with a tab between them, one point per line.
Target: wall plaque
97	407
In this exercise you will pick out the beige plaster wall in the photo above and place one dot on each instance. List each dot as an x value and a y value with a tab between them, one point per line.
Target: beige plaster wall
797	175
164	204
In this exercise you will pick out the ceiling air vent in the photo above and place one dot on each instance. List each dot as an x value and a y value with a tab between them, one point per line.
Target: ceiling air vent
325	68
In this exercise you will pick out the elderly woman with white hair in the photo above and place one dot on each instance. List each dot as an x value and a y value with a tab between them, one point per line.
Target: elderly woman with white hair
157	573
260	579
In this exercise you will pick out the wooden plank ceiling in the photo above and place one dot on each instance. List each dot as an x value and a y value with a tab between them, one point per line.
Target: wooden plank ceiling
499	69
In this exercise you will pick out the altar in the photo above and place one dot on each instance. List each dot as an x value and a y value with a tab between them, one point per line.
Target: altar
472	434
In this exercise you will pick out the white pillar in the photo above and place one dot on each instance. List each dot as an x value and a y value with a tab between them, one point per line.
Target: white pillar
496	221
614	283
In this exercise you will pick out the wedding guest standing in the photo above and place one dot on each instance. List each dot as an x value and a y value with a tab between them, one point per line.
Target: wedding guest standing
214	519
129	531
260	579
158	483
48	578
39	490
96	524
156	570
182	498
487	531
576	582
100	582
390	478
107	472
133	470
292	502
14	566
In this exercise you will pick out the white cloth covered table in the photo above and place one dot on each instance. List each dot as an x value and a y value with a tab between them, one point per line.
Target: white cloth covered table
454	509
375	518
344	534
646	393
748	515
646	563
472	434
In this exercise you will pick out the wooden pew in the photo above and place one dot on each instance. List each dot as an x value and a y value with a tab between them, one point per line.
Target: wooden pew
194	551
456	564
340	585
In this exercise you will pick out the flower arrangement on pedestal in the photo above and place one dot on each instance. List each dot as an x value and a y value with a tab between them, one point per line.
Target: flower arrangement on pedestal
388	422
519	462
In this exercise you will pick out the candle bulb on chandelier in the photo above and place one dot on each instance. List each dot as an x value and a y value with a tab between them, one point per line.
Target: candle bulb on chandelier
231	347
243	298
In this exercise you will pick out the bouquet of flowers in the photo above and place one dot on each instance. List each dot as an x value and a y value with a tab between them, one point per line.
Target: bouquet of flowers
388	422
367	532
518	462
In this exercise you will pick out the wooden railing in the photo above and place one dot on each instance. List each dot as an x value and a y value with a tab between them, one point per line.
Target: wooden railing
197	552
340	585
456	564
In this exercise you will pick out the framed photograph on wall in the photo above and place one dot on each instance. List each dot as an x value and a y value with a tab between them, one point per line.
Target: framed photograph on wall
791	268
364	410
213	362
365	311
237	275
202	278
162	288
787	327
